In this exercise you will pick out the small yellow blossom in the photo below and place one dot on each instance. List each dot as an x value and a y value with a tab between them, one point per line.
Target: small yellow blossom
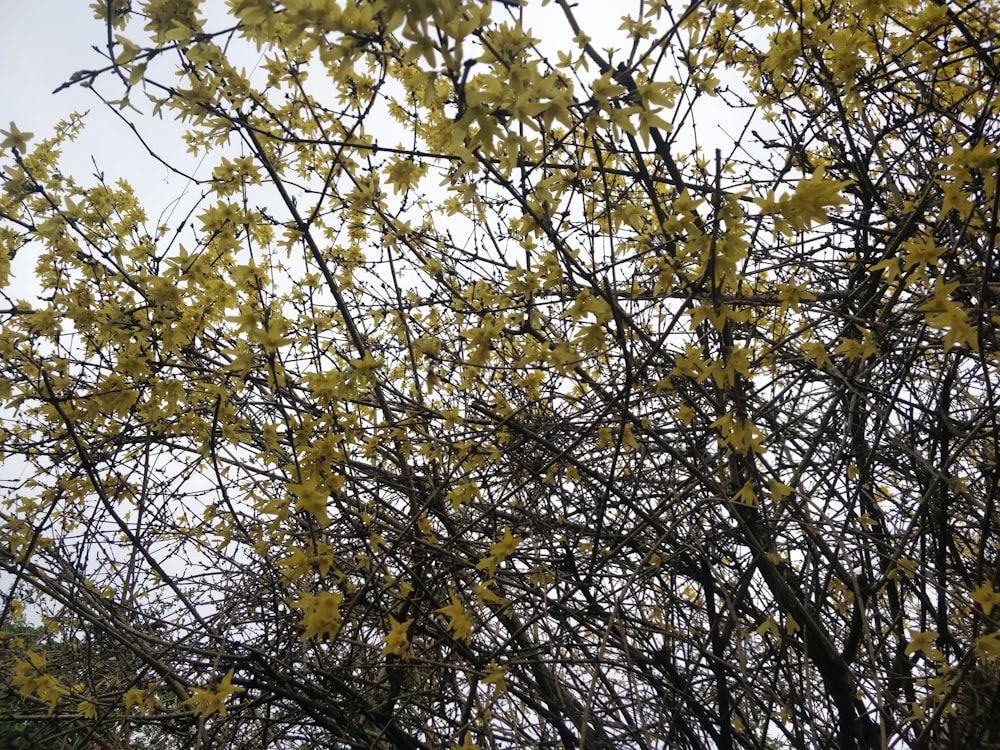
396	641
87	709
986	597
988	647
459	621
311	497
322	614
503	548
923	643
14	139
208	702
495	675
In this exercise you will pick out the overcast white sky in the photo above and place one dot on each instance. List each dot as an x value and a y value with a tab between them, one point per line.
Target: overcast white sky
42	43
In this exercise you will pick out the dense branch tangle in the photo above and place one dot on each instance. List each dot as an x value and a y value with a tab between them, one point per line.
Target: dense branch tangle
480	402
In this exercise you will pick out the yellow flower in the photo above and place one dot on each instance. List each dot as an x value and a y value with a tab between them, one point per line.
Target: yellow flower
396	641
499	552
791	294
768	626
459	621
14	138
812	195
484	594
311	498
922	642
746	496
943	313
87	709
322	614
135	697
779	490
917	712
404	174
986	597
208	702
50	690
988	647
505	546
496	675
815	352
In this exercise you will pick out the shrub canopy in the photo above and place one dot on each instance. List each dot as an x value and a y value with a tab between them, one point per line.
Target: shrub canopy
503	388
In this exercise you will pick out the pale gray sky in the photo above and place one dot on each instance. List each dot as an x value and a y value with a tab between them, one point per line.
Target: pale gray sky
42	43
